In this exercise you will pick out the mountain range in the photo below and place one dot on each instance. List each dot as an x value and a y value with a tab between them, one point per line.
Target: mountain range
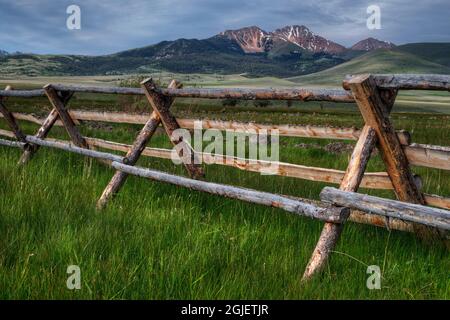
286	52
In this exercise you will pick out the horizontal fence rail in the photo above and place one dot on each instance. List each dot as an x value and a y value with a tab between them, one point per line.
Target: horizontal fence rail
385	81
309	208
336	95
304	131
289	204
418	154
408	81
332	95
371	180
374	95
390	208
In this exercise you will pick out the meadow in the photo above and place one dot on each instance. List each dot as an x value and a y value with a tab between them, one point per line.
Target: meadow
157	241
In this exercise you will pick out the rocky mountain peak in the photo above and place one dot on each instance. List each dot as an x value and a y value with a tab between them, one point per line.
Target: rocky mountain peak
253	39
250	39
306	39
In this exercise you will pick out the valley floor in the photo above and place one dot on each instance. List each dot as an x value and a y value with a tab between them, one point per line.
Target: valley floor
157	241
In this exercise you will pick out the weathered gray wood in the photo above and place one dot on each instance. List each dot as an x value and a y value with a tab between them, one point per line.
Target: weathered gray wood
332	95
298	206
14	144
356	216
408	81
359	159
22	93
413	81
428	216
75	149
161	104
371	180
133	154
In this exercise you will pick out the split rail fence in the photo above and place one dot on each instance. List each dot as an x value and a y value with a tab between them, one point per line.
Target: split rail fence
375	95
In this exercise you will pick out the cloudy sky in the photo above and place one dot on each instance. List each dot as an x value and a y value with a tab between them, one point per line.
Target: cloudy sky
109	26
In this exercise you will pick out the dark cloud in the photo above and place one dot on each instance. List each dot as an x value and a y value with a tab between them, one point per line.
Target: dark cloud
112	25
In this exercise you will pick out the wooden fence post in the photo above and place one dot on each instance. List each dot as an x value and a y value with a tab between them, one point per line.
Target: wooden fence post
135	151
45	128
397	166
65	117
351	182
161	105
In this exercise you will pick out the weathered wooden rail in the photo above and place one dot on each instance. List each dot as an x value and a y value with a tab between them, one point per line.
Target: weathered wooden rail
374	95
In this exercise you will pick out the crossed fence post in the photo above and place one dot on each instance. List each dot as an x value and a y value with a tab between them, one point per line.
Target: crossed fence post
375	106
11	121
161	114
58	100
61	98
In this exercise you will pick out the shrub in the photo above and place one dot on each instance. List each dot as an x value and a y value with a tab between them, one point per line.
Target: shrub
230	102
262	103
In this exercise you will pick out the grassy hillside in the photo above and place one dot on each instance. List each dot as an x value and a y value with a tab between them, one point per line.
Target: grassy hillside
435	52
379	61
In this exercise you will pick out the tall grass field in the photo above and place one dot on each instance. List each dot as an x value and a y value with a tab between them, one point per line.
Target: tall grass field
158	241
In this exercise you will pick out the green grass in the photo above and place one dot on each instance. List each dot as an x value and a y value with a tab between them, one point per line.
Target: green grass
157	241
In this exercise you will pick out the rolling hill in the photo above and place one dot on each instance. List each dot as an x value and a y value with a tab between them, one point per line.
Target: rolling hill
292	51
378	61
289	51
